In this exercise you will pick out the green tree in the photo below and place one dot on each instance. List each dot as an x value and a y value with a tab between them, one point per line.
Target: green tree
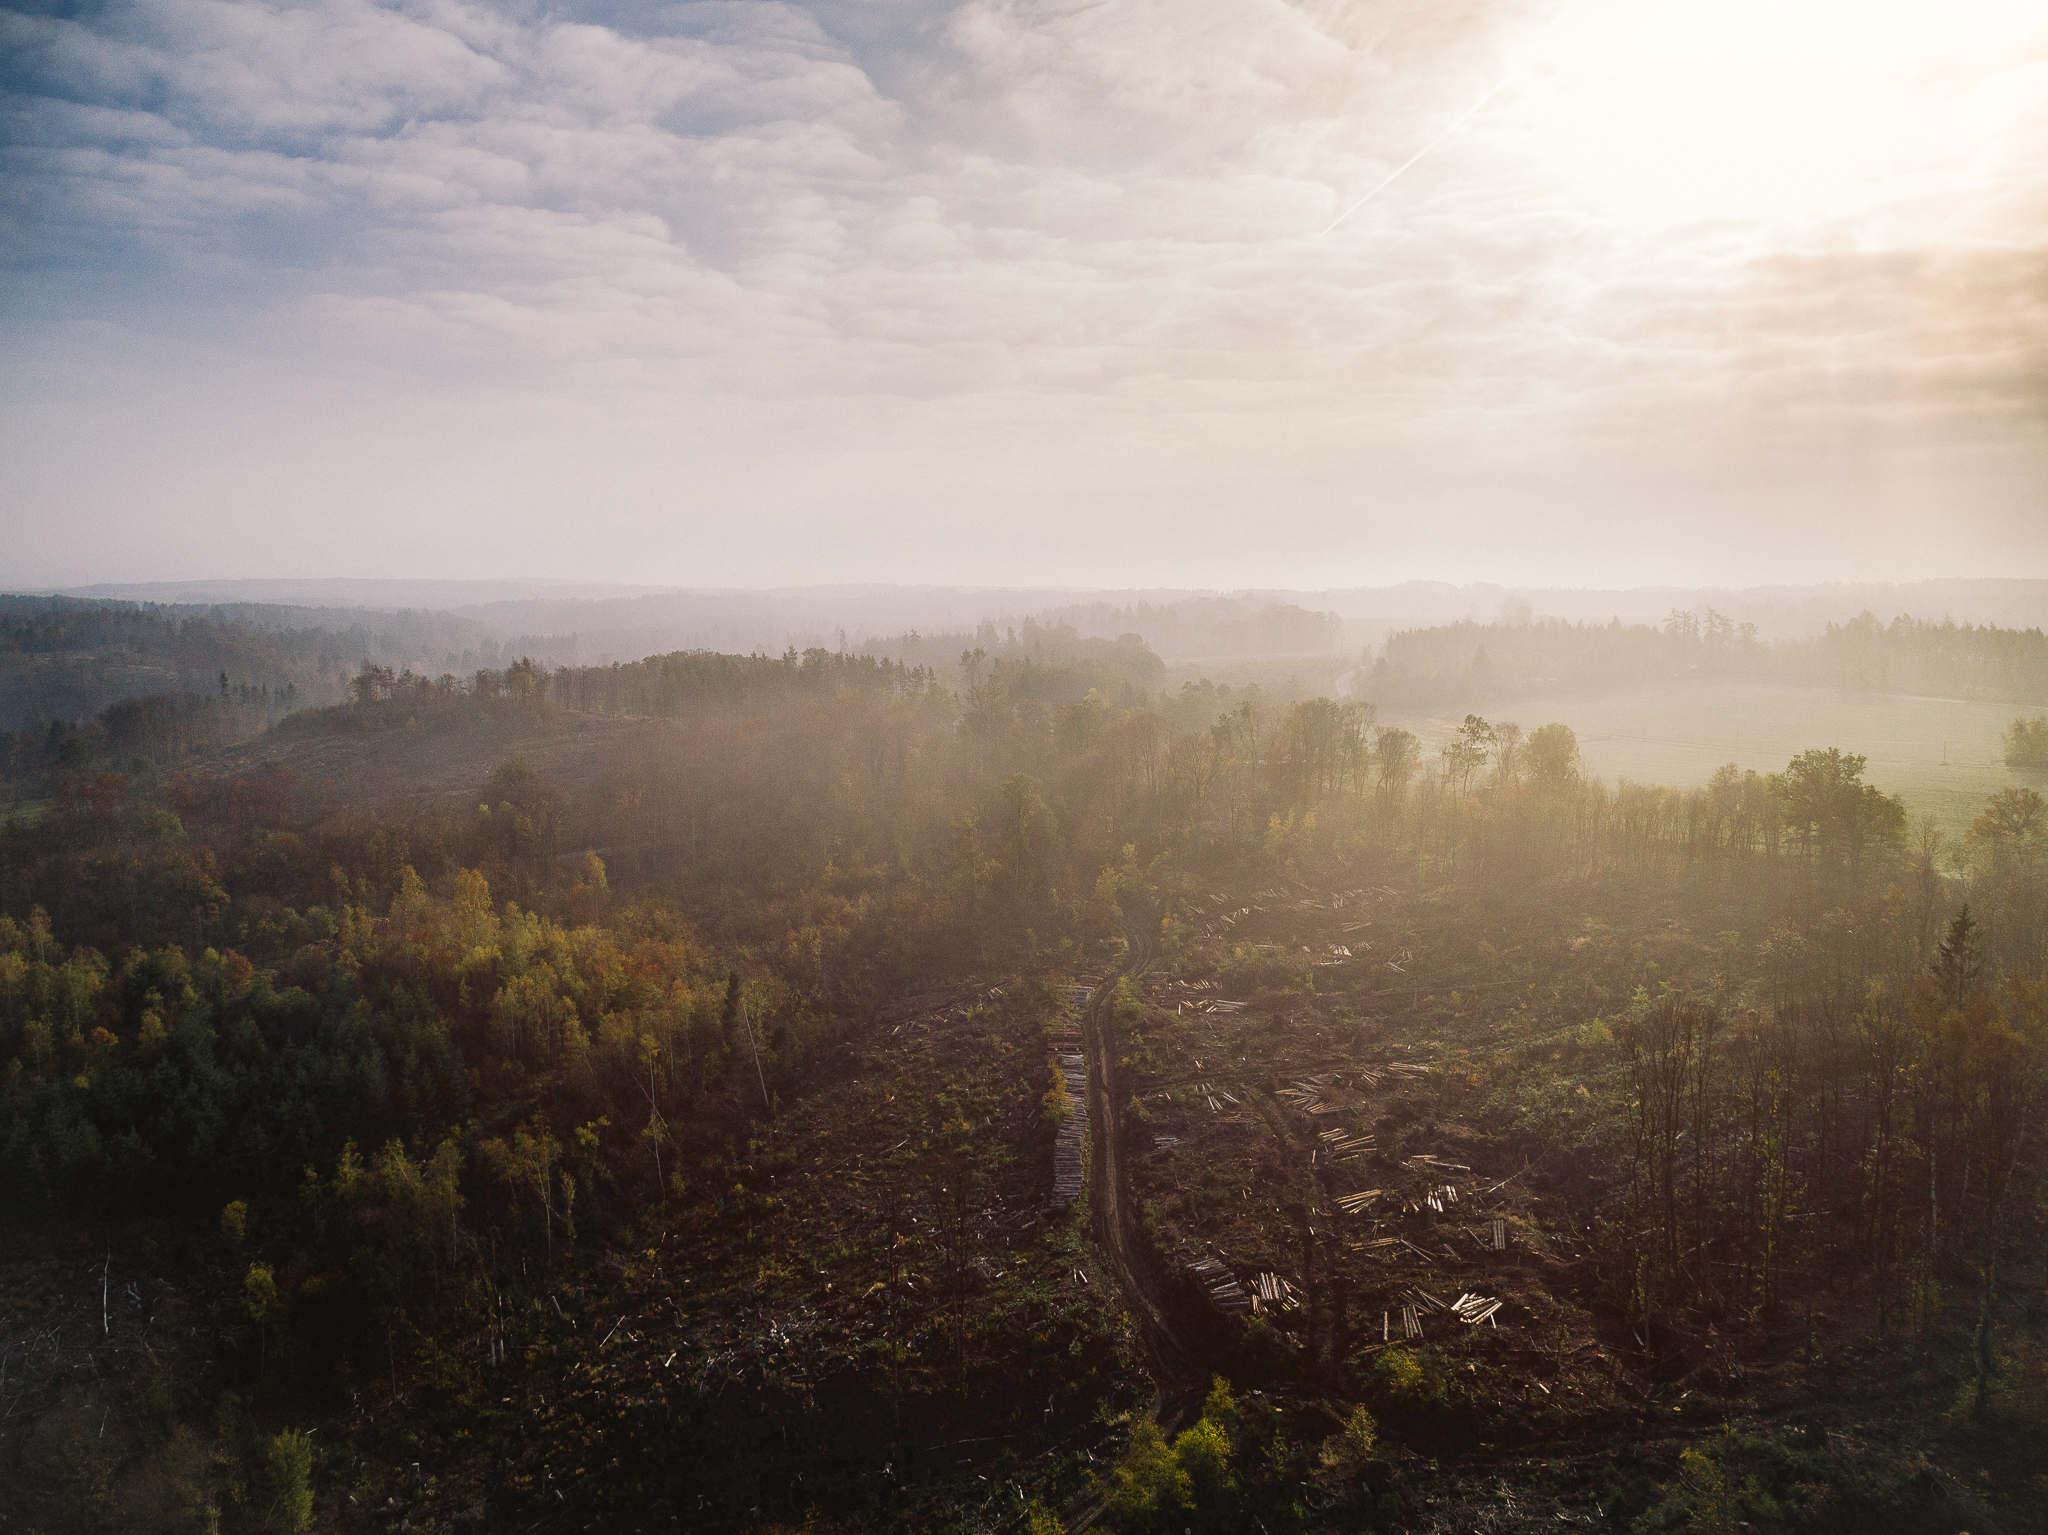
261	1300
2011	822
1023	835
2026	743
1552	755
1831	814
1958	959
1397	753
1466	752
530	1164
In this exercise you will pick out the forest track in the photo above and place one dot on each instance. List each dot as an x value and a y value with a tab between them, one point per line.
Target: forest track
1181	1379
1181	1376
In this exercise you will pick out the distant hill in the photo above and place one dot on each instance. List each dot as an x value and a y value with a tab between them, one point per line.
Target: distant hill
67	659
624	622
68	656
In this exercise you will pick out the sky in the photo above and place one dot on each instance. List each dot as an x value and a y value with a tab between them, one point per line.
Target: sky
1212	293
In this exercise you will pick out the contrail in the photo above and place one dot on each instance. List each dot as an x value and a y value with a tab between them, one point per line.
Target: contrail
1406	165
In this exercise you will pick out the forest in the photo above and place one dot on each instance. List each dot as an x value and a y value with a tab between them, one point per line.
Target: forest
64	661
635	1096
1477	661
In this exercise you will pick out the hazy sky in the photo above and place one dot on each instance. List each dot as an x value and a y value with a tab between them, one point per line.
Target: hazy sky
996	290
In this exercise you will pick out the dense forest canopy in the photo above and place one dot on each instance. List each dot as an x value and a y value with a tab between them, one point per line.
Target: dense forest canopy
65	660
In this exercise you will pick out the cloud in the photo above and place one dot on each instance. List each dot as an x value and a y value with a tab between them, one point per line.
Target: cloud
1044	254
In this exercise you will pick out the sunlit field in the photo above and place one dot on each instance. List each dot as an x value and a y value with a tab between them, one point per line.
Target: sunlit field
1941	755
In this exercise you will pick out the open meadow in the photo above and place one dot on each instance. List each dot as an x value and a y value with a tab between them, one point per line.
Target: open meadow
1943	756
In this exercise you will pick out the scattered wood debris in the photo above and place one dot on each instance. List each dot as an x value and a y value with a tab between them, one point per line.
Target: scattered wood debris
1384	1248
1437	1198
1421	1163
1343	1145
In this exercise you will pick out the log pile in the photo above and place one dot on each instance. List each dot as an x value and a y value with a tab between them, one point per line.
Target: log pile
1473	1309
1307	1094
1270	1292
1073	1136
1222	1286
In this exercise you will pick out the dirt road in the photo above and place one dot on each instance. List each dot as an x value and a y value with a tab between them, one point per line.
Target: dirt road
1182	1377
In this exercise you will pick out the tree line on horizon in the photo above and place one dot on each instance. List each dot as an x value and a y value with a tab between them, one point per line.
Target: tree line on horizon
1485	661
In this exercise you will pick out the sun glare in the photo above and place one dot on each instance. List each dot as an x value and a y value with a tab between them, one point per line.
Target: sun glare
1791	113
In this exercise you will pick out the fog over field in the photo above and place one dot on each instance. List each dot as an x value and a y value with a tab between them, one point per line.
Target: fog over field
1943	756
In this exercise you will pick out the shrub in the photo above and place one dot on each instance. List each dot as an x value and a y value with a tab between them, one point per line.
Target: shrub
1203	1455
1150	1483
1361	1434
1058	1103
1347	1452
1401	1375
291	1481
1161	1487
1737	1480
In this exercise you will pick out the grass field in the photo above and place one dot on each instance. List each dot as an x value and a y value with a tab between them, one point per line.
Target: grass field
1943	756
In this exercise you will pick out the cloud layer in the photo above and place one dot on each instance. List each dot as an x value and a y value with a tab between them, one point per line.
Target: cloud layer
748	291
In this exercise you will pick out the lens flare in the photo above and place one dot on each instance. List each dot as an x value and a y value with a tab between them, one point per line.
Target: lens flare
1762	110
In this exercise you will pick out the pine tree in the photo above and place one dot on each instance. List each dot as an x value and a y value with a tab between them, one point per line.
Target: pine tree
1958	958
